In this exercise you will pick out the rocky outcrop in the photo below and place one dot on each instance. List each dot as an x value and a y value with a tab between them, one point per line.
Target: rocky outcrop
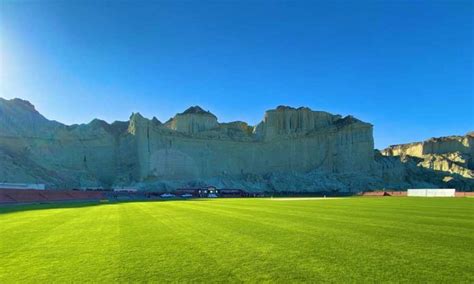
20	118
288	121
434	146
291	149
452	154
199	147
193	145
193	120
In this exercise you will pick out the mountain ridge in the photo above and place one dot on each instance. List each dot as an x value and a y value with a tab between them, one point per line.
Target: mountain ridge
295	149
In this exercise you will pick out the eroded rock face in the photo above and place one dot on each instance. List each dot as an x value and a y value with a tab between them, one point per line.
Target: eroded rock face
292	149
203	148
193	120
20	118
452	154
284	121
190	146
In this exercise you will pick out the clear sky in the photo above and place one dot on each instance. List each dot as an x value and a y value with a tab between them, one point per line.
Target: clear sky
404	66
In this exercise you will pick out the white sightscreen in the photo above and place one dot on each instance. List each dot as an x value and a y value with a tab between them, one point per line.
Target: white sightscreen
432	192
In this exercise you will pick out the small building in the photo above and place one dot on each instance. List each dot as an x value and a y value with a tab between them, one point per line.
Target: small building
35	186
212	191
208	191
198	192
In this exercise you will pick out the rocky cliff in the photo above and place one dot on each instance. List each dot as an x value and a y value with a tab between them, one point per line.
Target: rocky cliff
191	147
291	149
445	161
452	154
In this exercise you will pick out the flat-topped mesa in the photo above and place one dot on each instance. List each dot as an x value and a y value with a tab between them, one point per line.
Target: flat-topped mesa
283	122
449	144
192	120
286	120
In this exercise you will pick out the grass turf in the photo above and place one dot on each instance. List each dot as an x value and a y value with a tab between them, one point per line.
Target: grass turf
235	240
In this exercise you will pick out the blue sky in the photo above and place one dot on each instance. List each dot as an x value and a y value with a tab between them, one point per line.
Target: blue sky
404	66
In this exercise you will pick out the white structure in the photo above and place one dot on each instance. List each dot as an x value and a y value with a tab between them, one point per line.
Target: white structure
37	186
432	192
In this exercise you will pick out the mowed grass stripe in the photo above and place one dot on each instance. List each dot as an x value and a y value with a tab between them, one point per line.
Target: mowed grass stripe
82	246
397	253
35	226
424	224
153	248
247	251
192	261
214	241
275	249
242	240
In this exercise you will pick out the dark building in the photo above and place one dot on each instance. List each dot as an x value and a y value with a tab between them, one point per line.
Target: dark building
228	192
212	191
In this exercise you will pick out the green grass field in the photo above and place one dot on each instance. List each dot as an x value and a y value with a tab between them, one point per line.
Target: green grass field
235	240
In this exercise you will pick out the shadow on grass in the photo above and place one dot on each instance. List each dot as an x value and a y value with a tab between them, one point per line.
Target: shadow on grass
13	208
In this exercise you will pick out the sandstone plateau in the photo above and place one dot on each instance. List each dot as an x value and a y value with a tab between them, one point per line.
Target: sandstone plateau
291	149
